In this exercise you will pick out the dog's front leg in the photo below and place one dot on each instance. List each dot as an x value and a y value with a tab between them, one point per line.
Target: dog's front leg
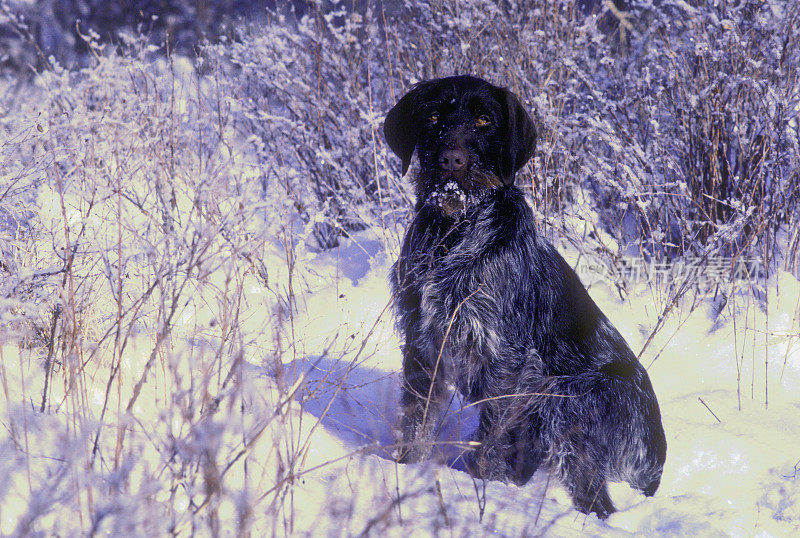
485	461
424	394
495	457
508	450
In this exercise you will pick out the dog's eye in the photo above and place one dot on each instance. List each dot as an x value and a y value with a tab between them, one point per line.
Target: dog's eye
433	118
483	121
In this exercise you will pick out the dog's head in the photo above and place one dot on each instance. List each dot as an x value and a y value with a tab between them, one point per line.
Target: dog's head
467	133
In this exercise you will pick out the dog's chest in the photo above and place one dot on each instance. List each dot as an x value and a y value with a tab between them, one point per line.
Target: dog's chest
448	324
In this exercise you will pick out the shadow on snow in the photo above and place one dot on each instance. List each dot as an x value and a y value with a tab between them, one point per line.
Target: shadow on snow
360	405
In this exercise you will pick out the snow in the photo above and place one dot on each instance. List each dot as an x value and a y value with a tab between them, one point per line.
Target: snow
729	471
250	383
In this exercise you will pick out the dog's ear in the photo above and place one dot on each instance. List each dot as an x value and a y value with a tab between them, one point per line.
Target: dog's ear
521	138
400	126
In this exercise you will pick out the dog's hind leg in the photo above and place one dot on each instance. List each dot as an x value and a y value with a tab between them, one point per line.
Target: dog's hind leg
651	488
587	485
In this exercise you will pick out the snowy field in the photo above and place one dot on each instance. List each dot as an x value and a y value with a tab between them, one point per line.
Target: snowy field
196	329
733	464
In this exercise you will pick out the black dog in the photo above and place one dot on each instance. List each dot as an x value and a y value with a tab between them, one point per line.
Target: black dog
487	304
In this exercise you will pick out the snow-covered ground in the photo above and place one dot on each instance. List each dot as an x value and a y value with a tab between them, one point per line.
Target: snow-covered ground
729	471
176	358
309	450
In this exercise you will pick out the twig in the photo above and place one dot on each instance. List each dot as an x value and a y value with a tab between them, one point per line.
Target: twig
709	409
441	500
48	363
480	494
541	501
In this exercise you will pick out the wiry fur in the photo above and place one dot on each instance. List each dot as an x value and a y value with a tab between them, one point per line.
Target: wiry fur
487	304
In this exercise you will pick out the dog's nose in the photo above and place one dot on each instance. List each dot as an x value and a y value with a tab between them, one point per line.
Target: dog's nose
453	160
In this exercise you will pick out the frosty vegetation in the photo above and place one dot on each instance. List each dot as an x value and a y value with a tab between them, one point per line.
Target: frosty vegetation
167	220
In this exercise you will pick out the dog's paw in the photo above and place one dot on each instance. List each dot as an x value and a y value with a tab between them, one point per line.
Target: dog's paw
485	465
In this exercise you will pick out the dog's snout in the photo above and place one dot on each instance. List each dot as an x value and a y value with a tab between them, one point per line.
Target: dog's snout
453	160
